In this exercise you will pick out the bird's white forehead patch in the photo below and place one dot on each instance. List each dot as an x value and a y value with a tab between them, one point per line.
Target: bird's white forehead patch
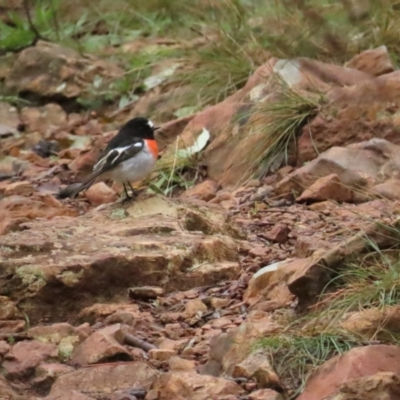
150	124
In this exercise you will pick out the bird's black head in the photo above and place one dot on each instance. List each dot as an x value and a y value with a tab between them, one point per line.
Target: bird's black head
140	127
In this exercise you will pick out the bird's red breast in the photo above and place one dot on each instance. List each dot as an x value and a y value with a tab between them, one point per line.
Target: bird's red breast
153	147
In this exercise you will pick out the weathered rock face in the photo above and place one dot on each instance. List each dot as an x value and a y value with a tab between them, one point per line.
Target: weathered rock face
153	242
16	210
189	385
382	386
236	125
49	70
375	62
101	380
366	110
356	172
357	363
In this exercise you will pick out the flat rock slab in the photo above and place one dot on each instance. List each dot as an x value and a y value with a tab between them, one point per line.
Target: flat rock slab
99	380
60	266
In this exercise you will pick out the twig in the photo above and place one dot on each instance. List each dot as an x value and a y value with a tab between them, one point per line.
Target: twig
55	20
32	26
15	336
136	342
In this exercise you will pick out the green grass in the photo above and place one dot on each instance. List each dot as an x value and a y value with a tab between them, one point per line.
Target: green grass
283	120
237	35
295	356
370	282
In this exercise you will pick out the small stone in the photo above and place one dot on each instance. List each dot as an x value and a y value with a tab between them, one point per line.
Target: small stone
169	344
253	183
161	354
223	196
194	307
204	191
217	303
265	394
180	364
23	188
4	347
25	356
208	334
100	193
328	187
101	346
221	323
145	292
257	366
8	309
279	233
375	62
42	119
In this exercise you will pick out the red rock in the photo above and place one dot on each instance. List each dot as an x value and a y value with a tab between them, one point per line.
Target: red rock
373	322
279	233
357	166
46	374
4	347
9	115
375	62
161	354
261	282
194	307
102	346
23	188
6	392
145	292
258	367
12	326
69	395
388	190
8	309
221	322
180	364
218	303
54	333
382	386
169	344
189	385
99	311
15	210
357	363
25	356
265	394
353	114
205	190
170	130
231	348
44	118
105	379
100	193
327	188
50	70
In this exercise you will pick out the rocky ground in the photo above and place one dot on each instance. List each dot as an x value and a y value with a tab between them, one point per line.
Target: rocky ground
263	265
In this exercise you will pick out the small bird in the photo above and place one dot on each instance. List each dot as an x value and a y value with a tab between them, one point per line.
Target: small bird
130	156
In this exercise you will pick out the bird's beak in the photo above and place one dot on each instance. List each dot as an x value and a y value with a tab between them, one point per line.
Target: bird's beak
156	127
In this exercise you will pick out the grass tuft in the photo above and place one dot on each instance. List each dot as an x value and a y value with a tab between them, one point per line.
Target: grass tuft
295	356
284	119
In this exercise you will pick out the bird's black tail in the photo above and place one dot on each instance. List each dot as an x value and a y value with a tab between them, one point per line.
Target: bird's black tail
74	189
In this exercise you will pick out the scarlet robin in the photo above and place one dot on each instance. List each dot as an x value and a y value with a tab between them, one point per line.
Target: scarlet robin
129	157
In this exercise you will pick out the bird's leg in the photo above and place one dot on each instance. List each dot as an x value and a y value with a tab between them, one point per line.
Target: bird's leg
134	192
126	194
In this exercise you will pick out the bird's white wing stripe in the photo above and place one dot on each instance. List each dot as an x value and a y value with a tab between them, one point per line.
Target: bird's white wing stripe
120	150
